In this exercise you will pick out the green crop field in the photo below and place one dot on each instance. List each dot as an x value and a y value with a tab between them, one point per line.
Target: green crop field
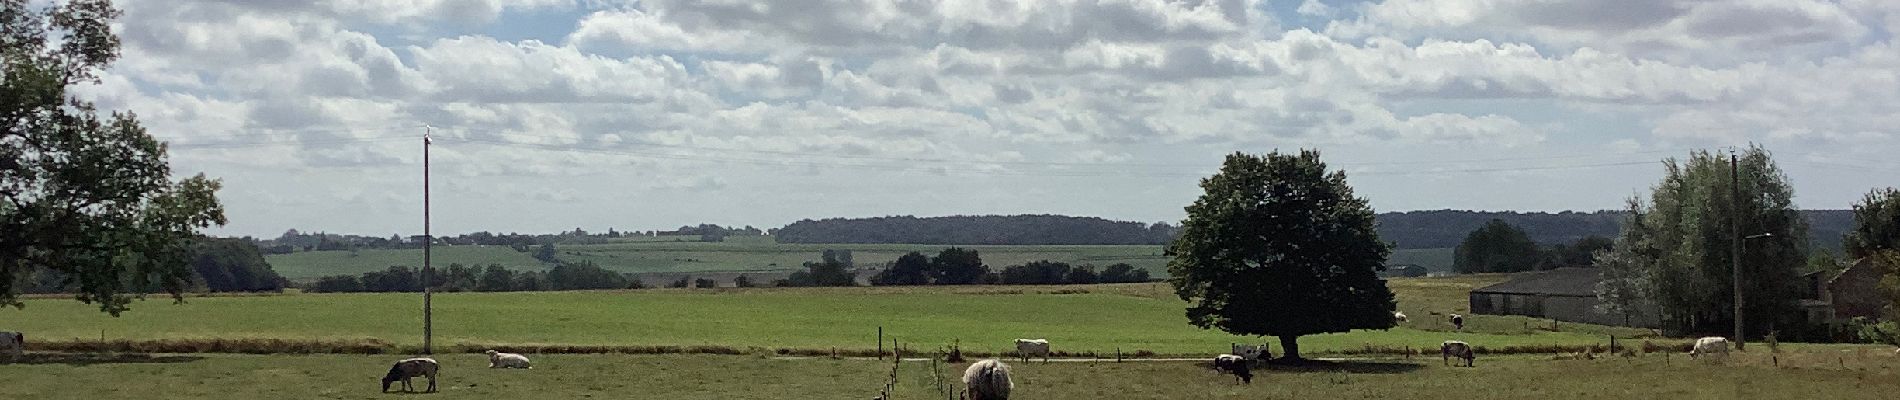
1861	375
312	264
681	254
1101	319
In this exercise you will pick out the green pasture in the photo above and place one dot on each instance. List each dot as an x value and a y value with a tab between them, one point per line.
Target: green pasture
1100	318
1752	376
681	254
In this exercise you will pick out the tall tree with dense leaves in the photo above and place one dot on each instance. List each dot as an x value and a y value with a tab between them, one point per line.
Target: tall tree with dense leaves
1496	247
1279	246
1681	242
1876	224
87	196
1625	269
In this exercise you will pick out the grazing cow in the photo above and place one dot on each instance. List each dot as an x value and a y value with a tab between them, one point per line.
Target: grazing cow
1453	348
988	380
507	360
1398	316
1458	321
1237	365
1710	345
410	368
12	345
1251	352
1033	347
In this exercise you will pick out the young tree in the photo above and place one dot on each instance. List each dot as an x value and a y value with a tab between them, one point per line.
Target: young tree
1876	224
1626	285
1496	247
86	196
1279	246
909	269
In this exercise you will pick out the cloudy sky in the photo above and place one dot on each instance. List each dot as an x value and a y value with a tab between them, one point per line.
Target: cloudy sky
556	114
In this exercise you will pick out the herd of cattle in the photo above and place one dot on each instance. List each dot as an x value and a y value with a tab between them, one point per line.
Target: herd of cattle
985	380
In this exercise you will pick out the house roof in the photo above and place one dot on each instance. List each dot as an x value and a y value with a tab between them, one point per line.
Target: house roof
1576	282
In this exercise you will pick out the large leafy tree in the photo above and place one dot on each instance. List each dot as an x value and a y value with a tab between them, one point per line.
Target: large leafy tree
1678	247
1498	246
1876	224
1279	246
86	196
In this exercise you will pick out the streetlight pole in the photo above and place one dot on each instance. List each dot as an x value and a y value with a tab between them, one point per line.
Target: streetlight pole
1735	241
428	321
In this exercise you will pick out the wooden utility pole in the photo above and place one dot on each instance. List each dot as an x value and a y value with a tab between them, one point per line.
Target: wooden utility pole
1735	240
428	322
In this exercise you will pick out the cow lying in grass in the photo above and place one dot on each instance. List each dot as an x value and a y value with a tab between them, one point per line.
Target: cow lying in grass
410	368
1237	365
507	360
1252	352
12	345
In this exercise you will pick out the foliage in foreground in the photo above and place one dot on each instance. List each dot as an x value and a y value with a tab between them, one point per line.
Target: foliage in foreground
86	196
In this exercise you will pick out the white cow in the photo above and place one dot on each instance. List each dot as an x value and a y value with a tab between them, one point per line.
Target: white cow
1033	347
988	380
12	345
1398	315
1453	348
1237	365
1710	345
507	360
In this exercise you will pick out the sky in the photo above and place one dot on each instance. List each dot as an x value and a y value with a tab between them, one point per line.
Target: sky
551	115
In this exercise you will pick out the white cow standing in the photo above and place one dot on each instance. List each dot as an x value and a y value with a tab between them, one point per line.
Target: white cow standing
1710	345
1033	347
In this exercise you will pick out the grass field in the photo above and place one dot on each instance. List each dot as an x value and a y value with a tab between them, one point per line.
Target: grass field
642	255
1101	319
1813	375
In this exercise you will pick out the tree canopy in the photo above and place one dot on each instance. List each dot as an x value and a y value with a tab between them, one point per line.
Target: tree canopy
1876	224
1279	246
86	196
1676	255
1496	247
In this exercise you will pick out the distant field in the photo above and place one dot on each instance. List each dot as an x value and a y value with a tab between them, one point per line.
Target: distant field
681	254
986	318
304	265
1830	374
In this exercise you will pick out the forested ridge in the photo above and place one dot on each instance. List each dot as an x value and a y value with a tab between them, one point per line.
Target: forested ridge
1406	230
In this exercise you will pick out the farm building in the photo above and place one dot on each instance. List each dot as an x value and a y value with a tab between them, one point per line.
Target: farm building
1855	292
1563	294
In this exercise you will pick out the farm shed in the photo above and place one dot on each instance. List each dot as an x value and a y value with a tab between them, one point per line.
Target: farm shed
1563	294
1855	292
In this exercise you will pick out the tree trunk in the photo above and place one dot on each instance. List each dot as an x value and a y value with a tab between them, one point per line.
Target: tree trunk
1290	344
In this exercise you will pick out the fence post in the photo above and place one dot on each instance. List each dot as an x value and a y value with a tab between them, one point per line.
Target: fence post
880	342
1118	355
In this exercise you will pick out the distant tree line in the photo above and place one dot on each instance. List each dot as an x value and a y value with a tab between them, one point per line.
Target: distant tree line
971	230
493	278
295	241
1499	246
957	266
1445	228
216	265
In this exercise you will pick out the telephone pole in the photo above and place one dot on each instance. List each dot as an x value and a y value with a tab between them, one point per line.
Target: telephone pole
1735	240
428	322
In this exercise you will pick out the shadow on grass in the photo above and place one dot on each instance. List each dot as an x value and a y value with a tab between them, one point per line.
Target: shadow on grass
1355	367
83	359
